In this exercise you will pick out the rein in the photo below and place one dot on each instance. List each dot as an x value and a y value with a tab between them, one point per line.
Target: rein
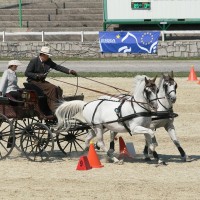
118	89
97	91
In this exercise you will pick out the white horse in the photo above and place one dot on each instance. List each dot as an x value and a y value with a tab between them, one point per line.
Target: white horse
167	88
131	114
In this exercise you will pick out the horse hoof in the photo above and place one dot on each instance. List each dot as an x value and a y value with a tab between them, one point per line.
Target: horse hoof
119	162
187	159
147	159
161	163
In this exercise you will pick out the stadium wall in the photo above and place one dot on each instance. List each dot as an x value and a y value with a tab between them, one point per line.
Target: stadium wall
91	49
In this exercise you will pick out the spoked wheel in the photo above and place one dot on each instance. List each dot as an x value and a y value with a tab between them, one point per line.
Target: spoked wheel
37	142
7	137
73	139
19	126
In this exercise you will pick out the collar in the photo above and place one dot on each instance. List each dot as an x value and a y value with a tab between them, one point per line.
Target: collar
40	59
11	71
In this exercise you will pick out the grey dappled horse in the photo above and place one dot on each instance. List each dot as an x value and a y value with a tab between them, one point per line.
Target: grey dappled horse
167	88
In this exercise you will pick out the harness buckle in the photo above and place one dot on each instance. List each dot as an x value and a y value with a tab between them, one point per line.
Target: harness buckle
117	110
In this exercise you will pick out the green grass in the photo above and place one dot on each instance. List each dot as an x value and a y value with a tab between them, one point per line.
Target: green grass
112	74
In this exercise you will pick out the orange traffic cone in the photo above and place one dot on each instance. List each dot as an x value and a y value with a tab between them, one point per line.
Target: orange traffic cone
93	158
198	82
192	76
123	149
83	164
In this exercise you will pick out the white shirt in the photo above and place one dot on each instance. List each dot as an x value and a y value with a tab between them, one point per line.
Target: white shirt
8	81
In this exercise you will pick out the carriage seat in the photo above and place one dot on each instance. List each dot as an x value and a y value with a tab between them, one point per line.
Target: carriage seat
4	100
13	101
42	98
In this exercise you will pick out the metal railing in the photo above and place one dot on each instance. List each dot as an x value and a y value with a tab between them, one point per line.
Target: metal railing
82	33
164	33
43	34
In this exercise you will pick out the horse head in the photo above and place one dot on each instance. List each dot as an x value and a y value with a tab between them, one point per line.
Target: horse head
150	92
170	86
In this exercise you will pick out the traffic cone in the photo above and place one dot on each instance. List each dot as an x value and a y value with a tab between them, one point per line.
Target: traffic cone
198	82
192	76
93	158
123	149
83	164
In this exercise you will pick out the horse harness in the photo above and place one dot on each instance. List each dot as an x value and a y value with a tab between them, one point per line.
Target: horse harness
118	112
148	113
121	119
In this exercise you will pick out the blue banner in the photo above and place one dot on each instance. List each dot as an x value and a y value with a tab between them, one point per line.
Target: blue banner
129	42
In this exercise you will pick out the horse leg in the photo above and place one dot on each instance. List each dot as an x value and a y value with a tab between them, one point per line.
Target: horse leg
146	150
151	140
171	131
112	140
101	144
88	138
112	143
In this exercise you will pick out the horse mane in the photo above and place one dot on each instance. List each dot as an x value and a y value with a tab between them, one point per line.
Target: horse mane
138	80
160	81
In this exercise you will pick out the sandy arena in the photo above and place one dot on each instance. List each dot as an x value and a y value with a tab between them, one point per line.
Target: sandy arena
59	179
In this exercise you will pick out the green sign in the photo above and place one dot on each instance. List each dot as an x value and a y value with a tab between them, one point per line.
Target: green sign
141	5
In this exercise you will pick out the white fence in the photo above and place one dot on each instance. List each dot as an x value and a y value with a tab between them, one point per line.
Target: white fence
43	34
82	33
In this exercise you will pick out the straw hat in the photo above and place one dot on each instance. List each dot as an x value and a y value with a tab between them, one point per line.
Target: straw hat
45	50
14	62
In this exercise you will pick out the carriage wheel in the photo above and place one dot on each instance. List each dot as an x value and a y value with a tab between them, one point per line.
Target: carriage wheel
7	137
73	139
19	127
37	142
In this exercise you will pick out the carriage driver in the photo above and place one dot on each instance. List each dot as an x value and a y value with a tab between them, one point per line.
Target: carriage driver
37	71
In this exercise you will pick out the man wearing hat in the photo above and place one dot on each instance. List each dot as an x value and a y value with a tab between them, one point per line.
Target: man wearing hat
37	71
8	84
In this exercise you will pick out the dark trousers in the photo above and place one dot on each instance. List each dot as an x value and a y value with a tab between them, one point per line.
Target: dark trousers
53	93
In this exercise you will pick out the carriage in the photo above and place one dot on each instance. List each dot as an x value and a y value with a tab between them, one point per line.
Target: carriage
30	126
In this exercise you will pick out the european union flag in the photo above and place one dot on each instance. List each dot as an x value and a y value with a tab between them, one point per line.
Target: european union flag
129	42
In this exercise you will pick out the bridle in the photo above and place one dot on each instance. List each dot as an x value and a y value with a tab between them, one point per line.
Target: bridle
150	88
168	82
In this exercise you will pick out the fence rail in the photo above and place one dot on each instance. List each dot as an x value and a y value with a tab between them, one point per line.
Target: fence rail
82	33
164	33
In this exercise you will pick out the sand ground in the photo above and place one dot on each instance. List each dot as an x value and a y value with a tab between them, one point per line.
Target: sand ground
59	179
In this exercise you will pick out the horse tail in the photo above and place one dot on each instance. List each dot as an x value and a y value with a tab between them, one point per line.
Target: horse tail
68	110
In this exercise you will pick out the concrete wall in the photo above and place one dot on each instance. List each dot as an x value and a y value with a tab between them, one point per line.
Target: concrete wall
91	49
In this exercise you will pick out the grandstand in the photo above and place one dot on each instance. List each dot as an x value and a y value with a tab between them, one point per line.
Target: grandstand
66	15
52	15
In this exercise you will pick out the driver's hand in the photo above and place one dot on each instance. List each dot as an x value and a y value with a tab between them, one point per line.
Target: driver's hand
73	72
20	90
